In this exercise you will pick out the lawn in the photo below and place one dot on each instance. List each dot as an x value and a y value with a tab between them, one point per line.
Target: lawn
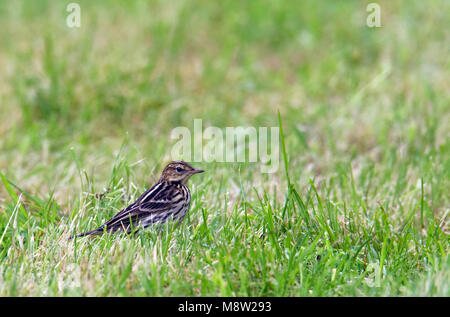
359	205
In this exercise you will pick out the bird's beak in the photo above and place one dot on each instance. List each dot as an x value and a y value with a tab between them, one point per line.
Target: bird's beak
196	171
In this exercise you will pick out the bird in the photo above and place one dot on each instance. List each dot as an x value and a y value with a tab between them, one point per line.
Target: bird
168	199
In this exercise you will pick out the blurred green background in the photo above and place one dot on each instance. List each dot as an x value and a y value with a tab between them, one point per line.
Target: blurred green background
346	92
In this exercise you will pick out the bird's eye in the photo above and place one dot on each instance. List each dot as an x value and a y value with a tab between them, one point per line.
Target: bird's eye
179	169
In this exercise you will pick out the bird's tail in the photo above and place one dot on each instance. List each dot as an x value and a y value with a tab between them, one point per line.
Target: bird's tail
88	233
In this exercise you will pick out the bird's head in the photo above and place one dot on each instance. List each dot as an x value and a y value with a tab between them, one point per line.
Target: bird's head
178	171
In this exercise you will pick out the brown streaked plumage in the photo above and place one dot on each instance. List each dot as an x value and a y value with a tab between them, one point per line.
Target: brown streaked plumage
168	199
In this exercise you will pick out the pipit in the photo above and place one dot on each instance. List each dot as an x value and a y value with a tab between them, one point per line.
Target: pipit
168	199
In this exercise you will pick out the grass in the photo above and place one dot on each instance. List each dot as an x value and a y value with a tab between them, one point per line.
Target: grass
358	207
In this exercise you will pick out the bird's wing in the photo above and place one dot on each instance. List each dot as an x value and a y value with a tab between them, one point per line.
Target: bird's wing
155	200
161	198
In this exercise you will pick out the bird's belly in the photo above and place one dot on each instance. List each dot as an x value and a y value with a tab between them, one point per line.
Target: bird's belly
177	213
181	212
